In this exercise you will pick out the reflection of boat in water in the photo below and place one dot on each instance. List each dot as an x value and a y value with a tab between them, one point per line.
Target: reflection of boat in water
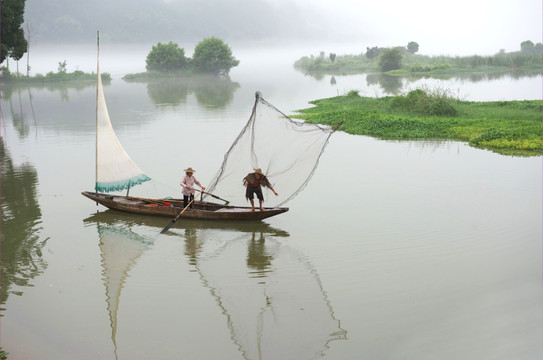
272	298
120	248
112	217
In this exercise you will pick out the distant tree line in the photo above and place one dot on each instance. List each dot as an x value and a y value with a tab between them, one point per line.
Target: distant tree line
399	57
211	55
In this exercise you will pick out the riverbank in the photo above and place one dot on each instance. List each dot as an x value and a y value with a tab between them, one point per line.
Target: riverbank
60	76
414	64
505	127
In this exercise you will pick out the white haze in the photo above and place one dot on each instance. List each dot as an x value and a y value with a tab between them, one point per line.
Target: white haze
461	27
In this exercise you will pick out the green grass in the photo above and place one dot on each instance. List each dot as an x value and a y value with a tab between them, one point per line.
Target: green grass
505	127
52	77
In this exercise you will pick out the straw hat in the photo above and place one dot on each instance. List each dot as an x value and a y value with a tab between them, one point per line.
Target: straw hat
258	171
189	170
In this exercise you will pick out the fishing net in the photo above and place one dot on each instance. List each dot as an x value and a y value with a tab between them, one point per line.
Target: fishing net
286	150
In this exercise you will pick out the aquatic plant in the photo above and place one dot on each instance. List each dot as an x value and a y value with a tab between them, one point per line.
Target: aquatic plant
506	127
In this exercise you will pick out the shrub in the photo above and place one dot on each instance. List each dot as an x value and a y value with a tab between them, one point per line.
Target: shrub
390	59
166	57
418	101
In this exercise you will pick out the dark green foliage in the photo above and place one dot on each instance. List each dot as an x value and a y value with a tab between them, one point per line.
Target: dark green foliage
166	57
13	42
391	59
212	55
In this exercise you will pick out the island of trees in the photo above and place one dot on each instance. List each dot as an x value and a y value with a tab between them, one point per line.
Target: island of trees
211	56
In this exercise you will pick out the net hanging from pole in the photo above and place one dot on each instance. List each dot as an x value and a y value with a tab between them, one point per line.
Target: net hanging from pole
286	150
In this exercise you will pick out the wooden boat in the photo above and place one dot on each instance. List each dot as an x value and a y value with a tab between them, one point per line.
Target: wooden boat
202	210
112	217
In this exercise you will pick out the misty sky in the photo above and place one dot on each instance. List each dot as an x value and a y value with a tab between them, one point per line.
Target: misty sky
461	27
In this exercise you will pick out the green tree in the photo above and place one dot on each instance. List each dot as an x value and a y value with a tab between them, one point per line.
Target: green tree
332	57
373	53
166	57
412	47
213	56
390	59
13	42
526	46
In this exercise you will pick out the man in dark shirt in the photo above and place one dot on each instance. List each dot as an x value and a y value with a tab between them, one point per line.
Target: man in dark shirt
253	183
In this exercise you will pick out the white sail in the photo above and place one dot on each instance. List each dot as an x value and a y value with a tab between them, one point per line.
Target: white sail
115	170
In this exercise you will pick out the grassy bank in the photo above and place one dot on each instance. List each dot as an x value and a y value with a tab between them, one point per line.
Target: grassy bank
60	76
505	127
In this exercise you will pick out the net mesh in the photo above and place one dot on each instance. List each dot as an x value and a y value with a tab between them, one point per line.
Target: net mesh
286	150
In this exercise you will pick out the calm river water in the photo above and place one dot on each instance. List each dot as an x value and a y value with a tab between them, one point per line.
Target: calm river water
395	250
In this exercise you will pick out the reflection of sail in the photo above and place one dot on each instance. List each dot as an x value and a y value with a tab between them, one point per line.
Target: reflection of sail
272	298
120	249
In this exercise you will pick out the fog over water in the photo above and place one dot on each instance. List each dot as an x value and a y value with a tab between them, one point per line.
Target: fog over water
462	28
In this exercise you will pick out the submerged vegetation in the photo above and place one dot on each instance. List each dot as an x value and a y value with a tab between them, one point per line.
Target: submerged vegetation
505	127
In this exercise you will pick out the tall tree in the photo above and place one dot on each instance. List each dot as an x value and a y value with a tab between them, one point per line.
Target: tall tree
166	57
212	55
527	47
412	47
13	42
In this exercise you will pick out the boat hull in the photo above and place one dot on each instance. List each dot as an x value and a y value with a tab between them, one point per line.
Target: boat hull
172	207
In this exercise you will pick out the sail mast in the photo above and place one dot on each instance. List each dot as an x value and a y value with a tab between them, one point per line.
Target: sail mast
98	79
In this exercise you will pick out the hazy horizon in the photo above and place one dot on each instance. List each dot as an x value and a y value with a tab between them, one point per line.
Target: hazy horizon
482	27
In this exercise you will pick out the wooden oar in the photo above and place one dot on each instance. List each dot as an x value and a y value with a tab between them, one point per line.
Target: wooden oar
216	197
178	215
